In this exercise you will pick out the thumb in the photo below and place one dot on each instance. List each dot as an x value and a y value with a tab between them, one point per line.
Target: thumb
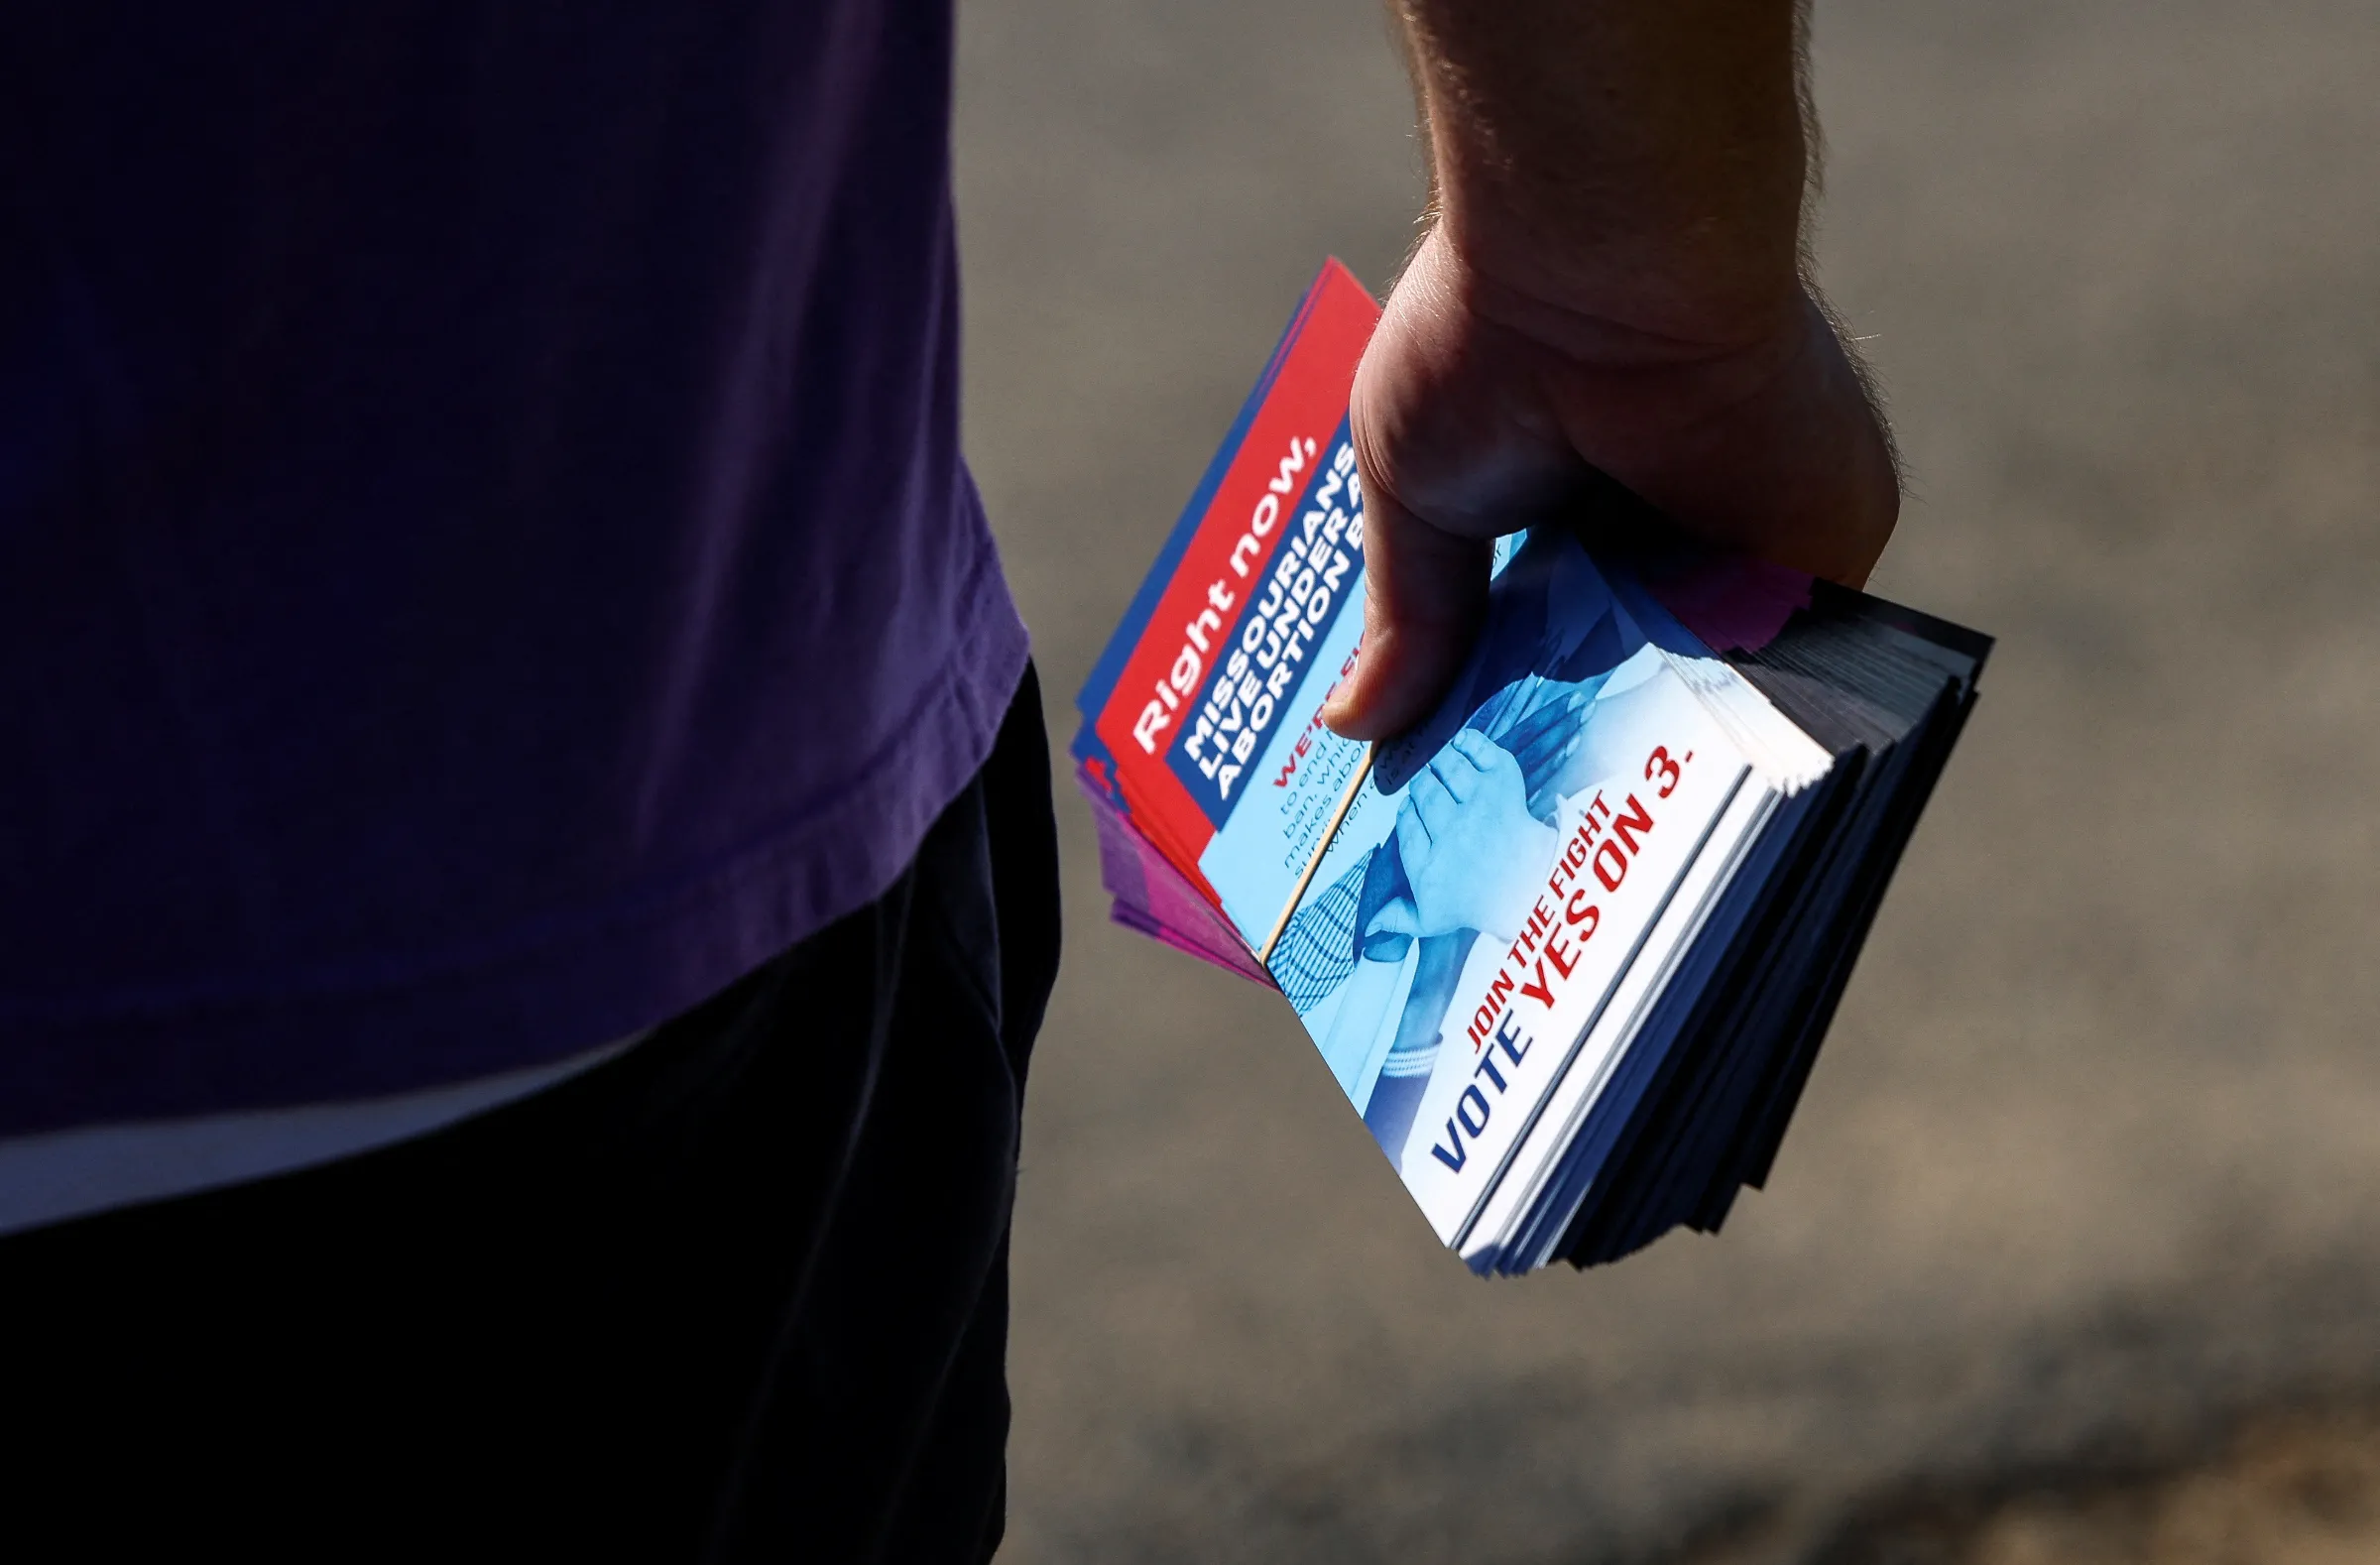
1425	592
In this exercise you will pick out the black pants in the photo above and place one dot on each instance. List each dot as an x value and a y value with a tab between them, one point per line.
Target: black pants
740	1293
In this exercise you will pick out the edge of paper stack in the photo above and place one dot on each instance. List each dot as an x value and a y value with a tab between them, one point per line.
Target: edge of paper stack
1571	946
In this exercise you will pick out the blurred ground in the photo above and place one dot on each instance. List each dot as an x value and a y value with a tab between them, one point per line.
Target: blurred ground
2074	1254
2297	1489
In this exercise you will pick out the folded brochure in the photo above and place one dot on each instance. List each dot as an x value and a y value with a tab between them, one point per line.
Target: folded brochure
1570	945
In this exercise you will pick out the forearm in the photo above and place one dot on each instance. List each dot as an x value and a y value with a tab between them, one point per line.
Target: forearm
1638	163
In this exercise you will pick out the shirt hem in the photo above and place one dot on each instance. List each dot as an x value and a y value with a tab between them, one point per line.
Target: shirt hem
542	993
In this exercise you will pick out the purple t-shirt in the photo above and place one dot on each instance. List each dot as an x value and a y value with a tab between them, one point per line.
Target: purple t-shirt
485	557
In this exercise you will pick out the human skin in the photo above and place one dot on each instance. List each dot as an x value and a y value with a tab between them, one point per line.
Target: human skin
1611	282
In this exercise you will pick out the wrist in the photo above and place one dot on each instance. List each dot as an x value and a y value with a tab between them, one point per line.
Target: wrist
1630	380
1482	397
1649	302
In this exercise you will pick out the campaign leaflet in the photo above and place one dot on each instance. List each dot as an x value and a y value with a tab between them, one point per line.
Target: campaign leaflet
1247	617
1504	874
1569	947
1455	916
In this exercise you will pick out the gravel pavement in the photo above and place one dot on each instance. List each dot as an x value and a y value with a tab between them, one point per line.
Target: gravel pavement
2087	1182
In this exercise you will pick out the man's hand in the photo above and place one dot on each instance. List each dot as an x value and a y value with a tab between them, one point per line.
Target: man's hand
1612	287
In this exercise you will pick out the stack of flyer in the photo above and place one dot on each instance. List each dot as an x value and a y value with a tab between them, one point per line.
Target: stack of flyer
1570	946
